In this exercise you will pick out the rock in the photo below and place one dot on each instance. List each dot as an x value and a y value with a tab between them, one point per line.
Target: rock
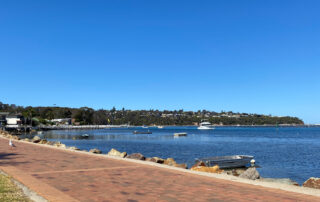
170	162
26	139
56	144
280	180
250	173
116	153
95	151
157	160
182	165
5	134
136	156
36	139
44	141
15	137
235	171
74	148
213	169
59	144
199	163
50	143
312	182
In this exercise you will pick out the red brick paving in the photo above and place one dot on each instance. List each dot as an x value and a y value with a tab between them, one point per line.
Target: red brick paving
60	175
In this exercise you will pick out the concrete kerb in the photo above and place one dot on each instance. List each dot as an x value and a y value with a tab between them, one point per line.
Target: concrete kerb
274	185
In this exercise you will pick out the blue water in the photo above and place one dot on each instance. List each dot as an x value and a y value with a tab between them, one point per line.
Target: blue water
281	152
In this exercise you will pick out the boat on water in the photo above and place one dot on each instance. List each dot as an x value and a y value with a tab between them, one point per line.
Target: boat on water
160	127
235	161
81	137
205	126
85	135
141	132
179	134
144	126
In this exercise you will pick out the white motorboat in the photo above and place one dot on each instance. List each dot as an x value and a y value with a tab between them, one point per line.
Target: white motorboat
160	127
205	126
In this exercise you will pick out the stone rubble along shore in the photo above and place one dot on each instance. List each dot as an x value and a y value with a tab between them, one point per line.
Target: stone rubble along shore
115	153
247	173
312	182
95	151
138	156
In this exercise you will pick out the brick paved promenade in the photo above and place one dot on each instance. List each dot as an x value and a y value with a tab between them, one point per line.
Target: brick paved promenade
60	175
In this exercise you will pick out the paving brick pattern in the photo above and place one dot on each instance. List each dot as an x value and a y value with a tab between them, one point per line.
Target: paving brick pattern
60	175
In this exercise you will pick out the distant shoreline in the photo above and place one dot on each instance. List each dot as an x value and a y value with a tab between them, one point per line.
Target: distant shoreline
215	126
280	125
95	127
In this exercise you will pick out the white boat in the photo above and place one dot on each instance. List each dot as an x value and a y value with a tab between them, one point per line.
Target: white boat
205	126
144	126
160	127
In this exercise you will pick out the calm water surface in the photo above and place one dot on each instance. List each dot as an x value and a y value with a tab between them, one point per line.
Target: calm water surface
281	152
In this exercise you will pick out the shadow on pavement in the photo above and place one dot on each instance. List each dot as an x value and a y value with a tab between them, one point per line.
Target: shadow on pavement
7	159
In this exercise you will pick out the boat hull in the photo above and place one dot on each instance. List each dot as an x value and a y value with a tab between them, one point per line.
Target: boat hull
142	132
179	134
236	161
205	128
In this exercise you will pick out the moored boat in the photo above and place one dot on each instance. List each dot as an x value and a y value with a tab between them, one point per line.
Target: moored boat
179	134
205	126
235	161
84	136
141	132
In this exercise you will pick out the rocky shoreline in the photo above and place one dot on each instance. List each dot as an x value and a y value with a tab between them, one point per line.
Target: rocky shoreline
247	173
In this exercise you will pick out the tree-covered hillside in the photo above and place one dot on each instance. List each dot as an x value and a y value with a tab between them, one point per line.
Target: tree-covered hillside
85	115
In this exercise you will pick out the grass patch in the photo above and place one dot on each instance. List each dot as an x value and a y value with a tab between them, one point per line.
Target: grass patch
9	191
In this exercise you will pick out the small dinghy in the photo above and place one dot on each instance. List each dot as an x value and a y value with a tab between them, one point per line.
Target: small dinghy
235	161
141	132
84	136
179	134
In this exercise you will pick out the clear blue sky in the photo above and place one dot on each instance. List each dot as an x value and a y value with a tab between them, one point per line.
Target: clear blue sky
244	56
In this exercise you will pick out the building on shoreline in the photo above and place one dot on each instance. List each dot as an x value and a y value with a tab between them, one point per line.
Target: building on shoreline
14	119
62	121
3	120
11	120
